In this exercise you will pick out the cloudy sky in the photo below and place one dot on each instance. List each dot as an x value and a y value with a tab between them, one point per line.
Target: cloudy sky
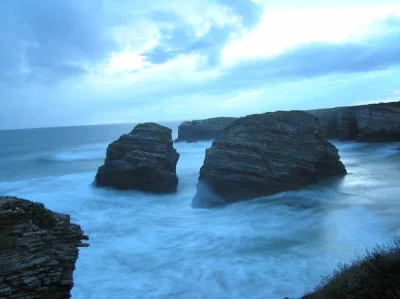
78	62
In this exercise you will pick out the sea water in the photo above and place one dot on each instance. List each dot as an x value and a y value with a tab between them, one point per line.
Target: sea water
149	246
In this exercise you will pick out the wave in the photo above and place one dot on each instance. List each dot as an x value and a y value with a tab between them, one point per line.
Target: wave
275	242
84	153
98	152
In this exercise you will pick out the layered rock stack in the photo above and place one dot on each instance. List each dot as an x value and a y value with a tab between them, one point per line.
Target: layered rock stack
143	160
264	154
38	250
207	129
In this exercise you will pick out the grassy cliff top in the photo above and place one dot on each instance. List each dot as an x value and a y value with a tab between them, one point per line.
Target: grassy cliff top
377	275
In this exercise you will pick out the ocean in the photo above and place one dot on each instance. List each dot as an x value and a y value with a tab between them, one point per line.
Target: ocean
157	246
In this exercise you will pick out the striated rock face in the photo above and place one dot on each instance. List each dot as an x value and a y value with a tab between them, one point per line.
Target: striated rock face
328	121
374	122
379	122
207	129
144	160
346	124
264	154
38	250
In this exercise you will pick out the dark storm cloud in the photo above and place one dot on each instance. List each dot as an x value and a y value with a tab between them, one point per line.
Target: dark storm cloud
49	40
179	38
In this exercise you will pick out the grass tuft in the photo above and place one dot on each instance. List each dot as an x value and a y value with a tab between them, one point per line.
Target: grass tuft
375	276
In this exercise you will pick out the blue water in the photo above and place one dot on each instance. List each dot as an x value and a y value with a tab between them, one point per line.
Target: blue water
148	246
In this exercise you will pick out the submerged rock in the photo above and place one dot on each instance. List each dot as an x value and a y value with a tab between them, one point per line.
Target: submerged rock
264	154
207	129
38	250
144	160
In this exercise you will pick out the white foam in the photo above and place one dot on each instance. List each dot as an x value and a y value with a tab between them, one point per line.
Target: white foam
148	246
92	152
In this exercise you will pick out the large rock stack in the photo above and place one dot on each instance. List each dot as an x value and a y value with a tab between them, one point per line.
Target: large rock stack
264	154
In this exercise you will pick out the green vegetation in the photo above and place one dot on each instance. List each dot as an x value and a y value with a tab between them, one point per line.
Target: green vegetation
147	126
163	133
42	217
376	276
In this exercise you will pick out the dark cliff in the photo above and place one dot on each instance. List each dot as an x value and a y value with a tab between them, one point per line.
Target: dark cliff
264	154
207	129
38	250
374	122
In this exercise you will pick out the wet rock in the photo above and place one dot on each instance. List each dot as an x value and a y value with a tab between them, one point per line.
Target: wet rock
38	250
207	129
144	160
264	154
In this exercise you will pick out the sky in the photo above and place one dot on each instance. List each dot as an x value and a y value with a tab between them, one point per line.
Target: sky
84	62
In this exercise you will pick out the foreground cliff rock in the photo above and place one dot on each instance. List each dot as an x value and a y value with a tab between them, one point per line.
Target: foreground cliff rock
264	154
144	160
375	276
38	250
207	129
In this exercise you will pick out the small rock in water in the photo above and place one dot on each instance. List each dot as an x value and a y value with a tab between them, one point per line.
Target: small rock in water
144	160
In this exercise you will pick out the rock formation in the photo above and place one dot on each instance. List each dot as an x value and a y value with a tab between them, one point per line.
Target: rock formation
207	129
346	127
374	122
263	154
144	160
38	250
378	122
328	119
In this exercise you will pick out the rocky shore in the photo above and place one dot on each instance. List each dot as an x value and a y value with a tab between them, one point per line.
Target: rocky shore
370	123
263	154
143	160
206	129
38	250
